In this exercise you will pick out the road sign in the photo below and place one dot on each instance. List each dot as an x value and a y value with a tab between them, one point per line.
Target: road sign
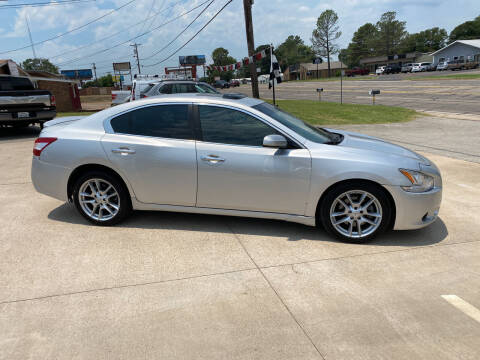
80	74
123	66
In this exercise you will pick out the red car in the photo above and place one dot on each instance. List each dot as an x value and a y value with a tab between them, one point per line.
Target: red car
357	71
234	83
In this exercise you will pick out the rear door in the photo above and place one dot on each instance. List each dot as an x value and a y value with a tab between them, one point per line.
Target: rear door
154	147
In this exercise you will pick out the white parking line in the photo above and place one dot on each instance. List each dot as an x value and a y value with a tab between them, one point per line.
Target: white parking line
463	306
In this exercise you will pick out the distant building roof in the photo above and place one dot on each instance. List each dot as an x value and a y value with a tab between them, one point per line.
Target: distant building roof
324	65
473	42
10	67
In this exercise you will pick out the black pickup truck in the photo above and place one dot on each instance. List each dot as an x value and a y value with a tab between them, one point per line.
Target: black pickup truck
21	104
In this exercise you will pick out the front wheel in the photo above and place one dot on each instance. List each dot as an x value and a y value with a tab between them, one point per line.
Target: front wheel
356	212
101	198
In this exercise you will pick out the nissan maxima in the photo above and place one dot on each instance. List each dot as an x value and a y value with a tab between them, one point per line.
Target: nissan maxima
233	155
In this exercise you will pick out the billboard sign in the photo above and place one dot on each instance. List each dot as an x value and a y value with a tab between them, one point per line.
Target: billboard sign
123	66
80	74
192	60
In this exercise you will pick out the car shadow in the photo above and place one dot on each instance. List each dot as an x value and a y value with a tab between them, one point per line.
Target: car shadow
18	133
430	235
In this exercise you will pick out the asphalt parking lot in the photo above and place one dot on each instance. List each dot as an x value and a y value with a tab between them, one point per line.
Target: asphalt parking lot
452	96
179	286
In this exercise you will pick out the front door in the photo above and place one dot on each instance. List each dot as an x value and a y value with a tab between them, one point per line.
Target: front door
154	147
236	172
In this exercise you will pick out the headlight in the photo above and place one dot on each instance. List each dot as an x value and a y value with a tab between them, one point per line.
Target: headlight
420	182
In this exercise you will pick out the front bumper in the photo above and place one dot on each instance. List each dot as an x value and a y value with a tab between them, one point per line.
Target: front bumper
49	179
415	210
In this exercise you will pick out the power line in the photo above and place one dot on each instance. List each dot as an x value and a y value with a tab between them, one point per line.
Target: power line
193	37
181	32
145	20
59	2
135	37
115	34
70	31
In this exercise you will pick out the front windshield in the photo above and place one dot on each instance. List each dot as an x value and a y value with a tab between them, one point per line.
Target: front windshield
307	131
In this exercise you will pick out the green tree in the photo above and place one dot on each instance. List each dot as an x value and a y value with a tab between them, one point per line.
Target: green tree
103	81
467	30
40	64
292	51
325	35
391	33
362	45
221	57
425	41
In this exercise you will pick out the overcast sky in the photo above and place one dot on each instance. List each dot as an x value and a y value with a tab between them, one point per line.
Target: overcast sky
273	21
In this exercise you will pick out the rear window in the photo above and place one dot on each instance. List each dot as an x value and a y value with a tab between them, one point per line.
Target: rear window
10	83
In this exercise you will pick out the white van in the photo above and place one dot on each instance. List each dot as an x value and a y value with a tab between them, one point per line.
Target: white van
140	86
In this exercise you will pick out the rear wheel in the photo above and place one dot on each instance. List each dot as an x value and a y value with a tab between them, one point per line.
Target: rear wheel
101	198
356	212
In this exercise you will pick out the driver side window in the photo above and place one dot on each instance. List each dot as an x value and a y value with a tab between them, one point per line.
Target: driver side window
228	126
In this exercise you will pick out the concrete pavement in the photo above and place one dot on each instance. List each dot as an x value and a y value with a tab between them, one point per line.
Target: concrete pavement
179	286
441	133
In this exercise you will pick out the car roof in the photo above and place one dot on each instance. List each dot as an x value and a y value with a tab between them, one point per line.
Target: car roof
229	99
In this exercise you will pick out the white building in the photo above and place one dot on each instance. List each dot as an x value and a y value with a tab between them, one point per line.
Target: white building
467	50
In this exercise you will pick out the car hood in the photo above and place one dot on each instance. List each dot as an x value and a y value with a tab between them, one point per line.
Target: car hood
369	143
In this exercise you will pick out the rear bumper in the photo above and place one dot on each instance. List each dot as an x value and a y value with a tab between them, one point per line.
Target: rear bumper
49	179
35	116
415	210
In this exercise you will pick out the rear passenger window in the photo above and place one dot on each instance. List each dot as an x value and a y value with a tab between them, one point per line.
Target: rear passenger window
183	88
165	121
166	89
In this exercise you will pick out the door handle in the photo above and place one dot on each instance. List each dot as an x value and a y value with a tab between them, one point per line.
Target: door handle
123	151
213	159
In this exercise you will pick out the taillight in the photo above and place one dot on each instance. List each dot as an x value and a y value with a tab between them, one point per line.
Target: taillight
41	143
114	96
142	96
53	102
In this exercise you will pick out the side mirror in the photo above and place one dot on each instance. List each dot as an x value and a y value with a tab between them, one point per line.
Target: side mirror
275	141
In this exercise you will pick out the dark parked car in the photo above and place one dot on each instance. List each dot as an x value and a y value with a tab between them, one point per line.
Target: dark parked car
392	69
21	104
221	84
177	87
234	83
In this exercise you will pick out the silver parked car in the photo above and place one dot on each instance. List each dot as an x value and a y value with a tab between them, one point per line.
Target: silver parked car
178	87
233	155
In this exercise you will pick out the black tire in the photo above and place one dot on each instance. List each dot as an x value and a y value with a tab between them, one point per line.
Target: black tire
124	201
323	215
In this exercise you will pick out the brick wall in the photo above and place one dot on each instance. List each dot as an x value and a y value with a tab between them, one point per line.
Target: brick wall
62	92
96	91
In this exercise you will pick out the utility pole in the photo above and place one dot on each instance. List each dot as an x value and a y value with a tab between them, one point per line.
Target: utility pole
135	55
94	71
247	8
30	36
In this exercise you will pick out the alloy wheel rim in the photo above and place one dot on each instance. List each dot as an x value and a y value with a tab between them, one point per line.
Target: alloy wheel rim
356	214
99	199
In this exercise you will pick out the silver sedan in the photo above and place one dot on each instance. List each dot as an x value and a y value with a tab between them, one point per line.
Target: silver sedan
233	155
